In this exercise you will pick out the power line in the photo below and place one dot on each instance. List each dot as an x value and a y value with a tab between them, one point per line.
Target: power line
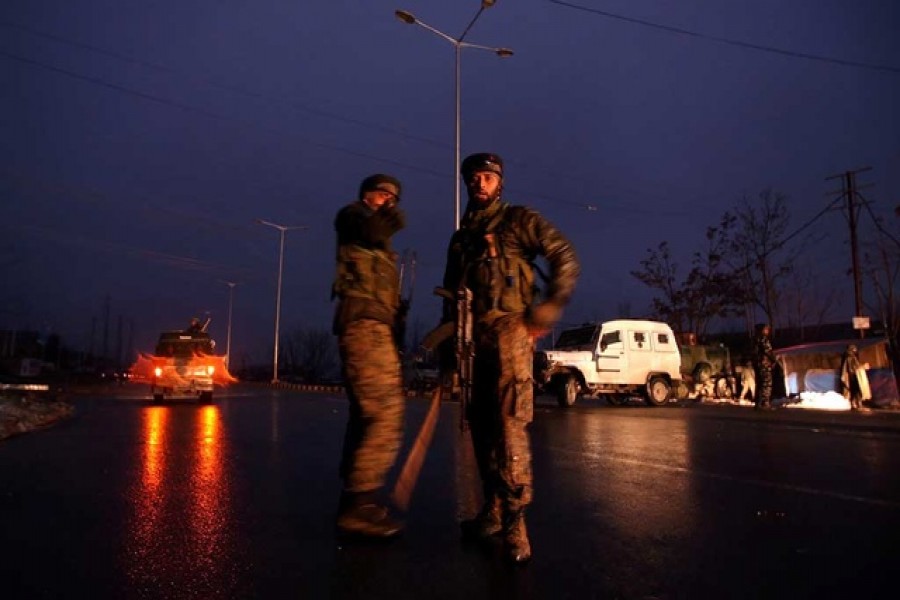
728	41
878	225
171	260
189	108
215	84
588	206
792	235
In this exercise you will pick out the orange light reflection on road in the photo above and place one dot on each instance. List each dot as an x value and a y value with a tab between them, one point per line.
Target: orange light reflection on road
179	529
209	493
155	428
148	496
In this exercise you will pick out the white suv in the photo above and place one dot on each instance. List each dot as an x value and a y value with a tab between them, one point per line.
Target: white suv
616	359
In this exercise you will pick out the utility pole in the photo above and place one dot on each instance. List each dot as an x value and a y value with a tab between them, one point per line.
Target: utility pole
105	359
129	356
119	345
91	350
853	208
230	285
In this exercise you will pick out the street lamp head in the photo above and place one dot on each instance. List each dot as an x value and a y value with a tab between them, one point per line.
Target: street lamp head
504	52
405	16
487	3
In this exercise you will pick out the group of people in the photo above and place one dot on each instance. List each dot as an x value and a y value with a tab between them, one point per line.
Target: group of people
491	256
853	381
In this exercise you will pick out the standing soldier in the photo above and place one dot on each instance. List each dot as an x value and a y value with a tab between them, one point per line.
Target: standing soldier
368	288
765	361
492	255
748	381
854	381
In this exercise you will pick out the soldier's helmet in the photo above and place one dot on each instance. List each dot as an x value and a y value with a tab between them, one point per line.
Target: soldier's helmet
852	349
380	181
483	161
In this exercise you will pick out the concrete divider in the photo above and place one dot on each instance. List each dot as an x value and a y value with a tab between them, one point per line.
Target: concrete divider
335	389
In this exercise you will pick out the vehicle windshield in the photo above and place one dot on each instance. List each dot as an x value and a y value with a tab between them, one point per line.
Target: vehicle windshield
580	338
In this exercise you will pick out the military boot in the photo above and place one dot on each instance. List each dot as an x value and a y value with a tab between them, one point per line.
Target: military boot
486	523
515	536
359	514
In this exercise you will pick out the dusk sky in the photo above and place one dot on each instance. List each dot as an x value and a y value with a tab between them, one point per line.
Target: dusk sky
141	140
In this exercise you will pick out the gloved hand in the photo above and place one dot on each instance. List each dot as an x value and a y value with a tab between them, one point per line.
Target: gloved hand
393	218
541	318
383	224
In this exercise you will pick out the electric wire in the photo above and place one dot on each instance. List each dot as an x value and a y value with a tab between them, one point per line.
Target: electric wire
728	41
625	207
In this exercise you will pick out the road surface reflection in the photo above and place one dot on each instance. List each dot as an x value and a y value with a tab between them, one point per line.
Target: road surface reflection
178	533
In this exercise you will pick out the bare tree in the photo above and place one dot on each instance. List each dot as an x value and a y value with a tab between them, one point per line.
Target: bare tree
882	258
806	305
756	249
708	292
704	294
312	354
660	273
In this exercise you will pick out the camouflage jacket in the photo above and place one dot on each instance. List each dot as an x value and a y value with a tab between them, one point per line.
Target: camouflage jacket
493	254
367	278
765	356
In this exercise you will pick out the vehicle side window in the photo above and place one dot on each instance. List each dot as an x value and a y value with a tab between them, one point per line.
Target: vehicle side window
639	341
664	342
609	338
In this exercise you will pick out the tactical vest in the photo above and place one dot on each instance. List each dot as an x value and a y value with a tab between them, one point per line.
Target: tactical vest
501	279
368	274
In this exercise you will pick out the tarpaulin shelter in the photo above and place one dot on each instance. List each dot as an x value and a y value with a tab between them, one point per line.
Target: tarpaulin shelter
816	368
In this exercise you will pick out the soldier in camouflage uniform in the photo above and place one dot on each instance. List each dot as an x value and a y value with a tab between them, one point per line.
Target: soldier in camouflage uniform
492	254
765	361
368	288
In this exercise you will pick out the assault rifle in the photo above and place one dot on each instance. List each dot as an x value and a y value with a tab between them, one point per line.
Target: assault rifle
408	260
464	345
465	351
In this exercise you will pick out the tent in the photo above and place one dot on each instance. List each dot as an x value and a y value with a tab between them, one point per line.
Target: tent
815	368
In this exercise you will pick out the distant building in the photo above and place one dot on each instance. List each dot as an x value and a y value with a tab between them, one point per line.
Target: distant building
21	353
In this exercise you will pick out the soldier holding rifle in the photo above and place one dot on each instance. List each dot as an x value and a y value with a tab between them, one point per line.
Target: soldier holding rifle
490	260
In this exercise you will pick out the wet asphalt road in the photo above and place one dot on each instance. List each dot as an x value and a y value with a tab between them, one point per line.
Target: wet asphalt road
236	500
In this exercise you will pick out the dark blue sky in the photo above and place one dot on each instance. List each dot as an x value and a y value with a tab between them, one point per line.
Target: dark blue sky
141	140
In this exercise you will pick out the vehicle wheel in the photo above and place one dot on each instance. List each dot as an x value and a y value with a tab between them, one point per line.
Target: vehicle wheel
681	391
205	397
567	391
157	398
658	391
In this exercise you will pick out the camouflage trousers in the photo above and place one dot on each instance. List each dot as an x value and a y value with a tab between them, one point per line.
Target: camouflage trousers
502	406
371	370
764	389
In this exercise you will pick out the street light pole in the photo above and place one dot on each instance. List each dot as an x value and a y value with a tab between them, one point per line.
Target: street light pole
230	285
458	44
282	229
